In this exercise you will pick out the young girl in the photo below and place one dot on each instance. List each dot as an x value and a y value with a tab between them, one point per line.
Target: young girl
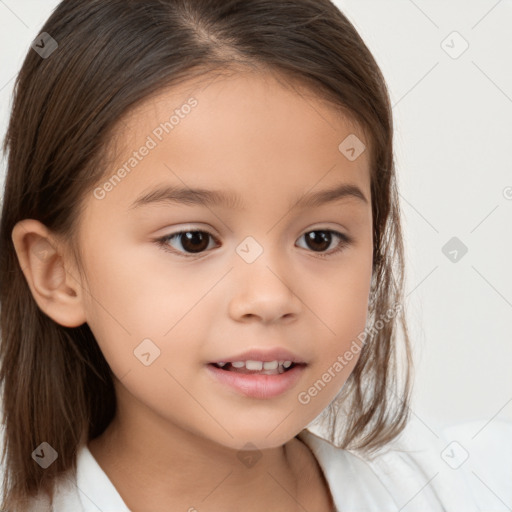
201	258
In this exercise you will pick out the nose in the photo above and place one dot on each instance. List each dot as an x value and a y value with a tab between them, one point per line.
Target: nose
263	290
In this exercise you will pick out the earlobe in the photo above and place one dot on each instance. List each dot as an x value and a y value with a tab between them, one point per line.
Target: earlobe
55	288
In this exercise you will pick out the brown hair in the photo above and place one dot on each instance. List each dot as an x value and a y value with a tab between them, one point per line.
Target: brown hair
111	55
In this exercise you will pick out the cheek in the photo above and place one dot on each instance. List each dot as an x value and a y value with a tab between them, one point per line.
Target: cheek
136	296
341	306
341	300
345	314
124	287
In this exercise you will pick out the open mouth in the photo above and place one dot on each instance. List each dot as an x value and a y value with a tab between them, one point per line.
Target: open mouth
258	379
257	367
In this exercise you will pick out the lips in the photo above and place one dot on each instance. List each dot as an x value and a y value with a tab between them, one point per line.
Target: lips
256	384
264	356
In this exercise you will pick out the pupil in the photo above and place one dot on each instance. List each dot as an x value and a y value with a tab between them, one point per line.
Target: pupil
194	236
324	237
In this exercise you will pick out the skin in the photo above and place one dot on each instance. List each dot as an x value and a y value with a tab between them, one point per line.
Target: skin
177	432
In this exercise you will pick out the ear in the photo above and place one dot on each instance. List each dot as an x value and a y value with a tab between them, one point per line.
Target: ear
57	292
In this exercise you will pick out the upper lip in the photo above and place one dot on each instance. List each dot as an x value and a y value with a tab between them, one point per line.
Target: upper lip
274	354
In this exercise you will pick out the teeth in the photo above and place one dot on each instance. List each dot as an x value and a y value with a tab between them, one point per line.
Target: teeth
254	365
260	365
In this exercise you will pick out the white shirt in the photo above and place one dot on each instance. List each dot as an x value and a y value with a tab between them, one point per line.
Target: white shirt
420	473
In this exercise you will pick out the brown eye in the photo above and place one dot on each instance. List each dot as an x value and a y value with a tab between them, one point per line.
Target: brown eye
188	243
319	240
192	242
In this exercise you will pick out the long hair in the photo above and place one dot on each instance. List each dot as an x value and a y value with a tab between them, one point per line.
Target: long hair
111	55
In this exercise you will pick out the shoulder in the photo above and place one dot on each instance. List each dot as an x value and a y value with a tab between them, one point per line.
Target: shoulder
87	490
425	469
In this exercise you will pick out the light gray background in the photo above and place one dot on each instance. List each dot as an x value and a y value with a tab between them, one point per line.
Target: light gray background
453	127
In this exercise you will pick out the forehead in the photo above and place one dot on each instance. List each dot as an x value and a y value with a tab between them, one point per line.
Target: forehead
241	130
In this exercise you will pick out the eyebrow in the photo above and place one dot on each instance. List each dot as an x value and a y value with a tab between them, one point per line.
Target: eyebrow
202	197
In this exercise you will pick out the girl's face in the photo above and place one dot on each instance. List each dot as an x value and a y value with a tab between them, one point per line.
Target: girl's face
262	271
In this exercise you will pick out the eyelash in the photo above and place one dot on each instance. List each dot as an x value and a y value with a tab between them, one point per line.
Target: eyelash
163	242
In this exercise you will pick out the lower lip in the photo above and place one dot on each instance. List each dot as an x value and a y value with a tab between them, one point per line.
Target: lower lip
259	386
